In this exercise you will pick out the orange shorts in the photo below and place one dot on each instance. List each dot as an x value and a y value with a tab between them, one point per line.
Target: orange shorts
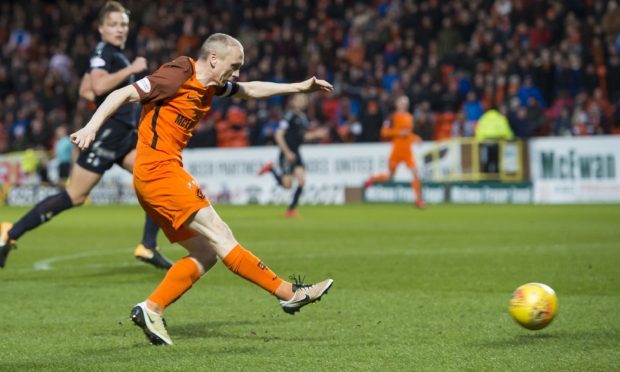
401	156
170	195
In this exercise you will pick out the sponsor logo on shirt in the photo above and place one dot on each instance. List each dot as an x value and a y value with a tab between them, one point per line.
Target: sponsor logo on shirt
184	122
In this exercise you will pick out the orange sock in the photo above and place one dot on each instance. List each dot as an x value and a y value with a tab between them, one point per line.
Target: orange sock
381	177
243	263
417	188
178	280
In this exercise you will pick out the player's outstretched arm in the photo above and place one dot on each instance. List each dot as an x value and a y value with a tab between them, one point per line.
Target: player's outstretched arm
85	136
263	89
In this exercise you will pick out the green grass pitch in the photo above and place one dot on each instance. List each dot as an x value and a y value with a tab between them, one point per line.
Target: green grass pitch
414	290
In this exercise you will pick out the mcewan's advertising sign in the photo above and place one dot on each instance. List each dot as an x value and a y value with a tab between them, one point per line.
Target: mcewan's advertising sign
576	170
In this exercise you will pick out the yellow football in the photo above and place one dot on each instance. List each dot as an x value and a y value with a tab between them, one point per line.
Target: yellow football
533	305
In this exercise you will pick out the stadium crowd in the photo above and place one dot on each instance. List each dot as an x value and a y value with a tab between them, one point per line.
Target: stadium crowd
551	67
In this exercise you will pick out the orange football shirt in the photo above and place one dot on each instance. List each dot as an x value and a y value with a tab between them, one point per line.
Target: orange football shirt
173	102
400	131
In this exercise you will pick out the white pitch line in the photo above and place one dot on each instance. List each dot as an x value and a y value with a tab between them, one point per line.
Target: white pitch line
44	265
47	264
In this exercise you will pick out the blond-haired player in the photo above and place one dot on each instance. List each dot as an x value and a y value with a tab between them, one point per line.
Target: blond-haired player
175	97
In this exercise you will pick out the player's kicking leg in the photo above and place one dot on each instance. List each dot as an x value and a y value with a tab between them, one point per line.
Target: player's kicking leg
243	263
216	240
304	294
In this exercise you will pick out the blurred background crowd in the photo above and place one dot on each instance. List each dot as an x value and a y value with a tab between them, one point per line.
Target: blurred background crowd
550	67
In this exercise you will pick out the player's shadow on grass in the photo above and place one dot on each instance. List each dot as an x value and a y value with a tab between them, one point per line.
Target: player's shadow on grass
229	330
554	337
518	340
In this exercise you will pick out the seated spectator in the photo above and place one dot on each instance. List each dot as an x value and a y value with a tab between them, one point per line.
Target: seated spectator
473	108
459	126
519	123
443	126
535	117
562	125
528	90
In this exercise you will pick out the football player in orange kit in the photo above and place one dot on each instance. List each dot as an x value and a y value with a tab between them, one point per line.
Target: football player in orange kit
399	129
174	98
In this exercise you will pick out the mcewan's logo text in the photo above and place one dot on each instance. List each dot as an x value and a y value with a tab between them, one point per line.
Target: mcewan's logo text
572	165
